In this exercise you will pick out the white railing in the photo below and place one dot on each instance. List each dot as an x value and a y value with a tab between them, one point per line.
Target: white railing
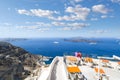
65	66
116	57
51	67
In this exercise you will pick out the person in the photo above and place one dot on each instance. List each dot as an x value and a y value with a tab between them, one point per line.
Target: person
79	56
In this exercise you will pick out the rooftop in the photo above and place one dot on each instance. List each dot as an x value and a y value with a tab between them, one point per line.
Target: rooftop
63	68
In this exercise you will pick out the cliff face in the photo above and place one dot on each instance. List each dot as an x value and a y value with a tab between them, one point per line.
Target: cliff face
13	61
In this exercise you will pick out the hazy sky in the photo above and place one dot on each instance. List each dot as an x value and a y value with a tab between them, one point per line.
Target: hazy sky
59	18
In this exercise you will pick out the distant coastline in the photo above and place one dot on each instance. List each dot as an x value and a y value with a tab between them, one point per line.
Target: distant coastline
81	40
46	46
12	39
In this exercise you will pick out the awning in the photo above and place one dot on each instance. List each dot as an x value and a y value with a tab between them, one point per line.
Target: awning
73	69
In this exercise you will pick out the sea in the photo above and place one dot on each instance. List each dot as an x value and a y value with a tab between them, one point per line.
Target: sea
106	47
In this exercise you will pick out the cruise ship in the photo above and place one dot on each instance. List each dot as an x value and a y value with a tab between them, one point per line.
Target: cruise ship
75	68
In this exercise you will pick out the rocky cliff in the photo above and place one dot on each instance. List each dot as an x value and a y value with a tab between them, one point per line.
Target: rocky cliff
15	61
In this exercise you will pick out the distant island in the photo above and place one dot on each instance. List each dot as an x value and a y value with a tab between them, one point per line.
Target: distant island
80	40
12	39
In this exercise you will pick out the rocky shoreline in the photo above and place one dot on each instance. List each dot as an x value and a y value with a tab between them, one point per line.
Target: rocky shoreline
16	63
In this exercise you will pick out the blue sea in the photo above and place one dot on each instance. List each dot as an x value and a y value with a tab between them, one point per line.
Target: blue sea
58	47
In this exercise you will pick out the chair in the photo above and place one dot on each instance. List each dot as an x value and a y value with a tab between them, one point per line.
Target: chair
106	63
71	60
103	76
118	66
75	73
89	61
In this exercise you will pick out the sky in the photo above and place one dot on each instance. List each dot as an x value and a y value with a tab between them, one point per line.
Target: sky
59	18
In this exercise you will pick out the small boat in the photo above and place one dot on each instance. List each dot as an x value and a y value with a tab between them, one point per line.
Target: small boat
92	43
55	42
